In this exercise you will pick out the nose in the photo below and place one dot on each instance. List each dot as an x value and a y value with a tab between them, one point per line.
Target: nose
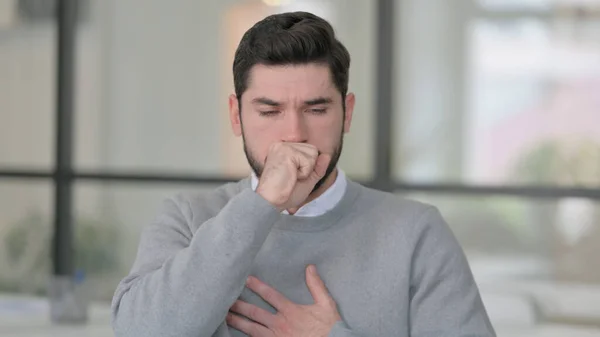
294	128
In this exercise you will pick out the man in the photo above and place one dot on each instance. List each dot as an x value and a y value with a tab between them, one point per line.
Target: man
297	249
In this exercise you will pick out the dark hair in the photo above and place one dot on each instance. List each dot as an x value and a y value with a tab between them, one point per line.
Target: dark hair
291	38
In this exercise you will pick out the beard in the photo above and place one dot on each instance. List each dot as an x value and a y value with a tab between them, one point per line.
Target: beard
258	168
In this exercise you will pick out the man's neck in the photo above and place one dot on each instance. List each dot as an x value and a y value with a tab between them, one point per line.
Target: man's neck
315	194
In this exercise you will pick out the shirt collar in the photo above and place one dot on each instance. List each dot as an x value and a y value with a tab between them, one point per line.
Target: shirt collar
323	203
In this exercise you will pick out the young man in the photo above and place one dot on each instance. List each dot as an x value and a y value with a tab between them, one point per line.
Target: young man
297	249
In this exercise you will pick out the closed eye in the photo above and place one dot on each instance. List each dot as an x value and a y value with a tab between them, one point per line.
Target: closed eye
268	113
318	111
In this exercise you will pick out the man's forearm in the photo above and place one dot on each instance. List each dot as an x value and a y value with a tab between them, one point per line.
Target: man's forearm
191	292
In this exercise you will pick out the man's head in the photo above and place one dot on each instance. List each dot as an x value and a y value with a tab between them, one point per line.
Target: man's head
291	81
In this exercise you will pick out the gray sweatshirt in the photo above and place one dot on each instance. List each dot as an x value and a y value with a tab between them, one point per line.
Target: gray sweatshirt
392	265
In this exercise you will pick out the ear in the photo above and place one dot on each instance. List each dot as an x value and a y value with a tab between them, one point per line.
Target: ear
234	115
350	100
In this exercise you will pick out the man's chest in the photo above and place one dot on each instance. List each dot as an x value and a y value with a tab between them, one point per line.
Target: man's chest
371	292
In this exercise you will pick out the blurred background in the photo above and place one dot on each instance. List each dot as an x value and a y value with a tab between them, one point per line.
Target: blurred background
489	109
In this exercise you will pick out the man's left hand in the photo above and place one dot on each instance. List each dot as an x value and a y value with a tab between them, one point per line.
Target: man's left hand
291	319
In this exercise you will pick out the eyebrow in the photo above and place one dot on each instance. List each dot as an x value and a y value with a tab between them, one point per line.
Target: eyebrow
318	100
310	102
265	101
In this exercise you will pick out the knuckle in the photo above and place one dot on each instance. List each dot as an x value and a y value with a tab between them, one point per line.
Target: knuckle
253	312
288	151
259	288
268	293
274	147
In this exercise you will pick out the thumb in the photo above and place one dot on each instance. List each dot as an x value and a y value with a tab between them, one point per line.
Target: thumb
320	167
316	286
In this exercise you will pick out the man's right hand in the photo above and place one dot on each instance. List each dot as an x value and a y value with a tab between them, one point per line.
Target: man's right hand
290	173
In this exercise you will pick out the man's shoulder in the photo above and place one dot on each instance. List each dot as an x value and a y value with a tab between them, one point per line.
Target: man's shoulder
393	208
393	203
208	202
397	214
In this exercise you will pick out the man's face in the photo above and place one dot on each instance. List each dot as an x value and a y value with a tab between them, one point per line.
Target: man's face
291	103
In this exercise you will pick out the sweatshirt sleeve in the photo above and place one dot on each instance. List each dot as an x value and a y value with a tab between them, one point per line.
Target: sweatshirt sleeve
183	284
444	298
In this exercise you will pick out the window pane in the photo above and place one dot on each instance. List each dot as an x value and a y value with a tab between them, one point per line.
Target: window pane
26	219
27	89
154	83
511	102
109	219
526	253
503	5
533	114
537	5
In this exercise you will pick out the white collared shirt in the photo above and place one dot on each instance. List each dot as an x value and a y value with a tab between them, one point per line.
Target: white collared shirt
323	203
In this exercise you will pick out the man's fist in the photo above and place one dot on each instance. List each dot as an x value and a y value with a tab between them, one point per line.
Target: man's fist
290	173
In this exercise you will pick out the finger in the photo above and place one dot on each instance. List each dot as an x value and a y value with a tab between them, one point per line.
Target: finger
308	149
253	312
304	163
246	326
320	167
302	156
317	287
270	295
305	148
